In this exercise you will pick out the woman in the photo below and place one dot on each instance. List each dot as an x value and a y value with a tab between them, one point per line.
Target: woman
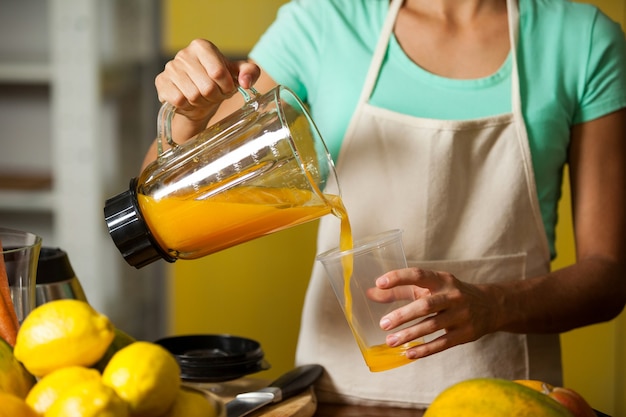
437	128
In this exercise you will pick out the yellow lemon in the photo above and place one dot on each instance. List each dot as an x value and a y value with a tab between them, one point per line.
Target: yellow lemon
53	385
88	399
62	333
12	406
146	376
14	378
191	403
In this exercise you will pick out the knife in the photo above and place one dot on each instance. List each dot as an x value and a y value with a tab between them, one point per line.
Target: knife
288	385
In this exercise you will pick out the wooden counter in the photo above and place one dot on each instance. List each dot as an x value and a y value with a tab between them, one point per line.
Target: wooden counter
304	404
334	410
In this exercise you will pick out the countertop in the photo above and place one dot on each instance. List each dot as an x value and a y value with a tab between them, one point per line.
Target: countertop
334	410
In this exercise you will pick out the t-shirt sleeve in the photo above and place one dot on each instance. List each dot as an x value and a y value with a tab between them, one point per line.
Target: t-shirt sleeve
289	51
605	75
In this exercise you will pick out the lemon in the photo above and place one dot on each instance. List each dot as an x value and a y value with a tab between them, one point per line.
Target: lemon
146	376
14	378
62	333
190	403
54	384
88	399
12	406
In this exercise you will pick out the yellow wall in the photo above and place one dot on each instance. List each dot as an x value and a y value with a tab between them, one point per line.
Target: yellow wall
256	289
233	25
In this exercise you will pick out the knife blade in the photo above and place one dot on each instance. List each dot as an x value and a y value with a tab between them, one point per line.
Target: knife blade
287	385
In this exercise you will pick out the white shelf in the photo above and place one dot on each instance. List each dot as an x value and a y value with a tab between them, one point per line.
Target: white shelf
24	72
26	201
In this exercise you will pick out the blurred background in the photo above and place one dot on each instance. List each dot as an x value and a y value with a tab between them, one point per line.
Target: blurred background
77	112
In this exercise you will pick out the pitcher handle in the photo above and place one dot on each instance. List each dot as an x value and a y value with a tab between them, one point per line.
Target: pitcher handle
164	127
246	95
166	114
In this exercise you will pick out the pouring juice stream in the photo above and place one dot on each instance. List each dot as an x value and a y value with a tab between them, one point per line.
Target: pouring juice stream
380	357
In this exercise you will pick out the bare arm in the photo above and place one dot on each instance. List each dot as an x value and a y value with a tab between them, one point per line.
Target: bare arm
202	84
594	288
590	291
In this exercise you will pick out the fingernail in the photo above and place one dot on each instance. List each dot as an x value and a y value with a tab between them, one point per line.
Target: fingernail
382	281
245	81
385	323
392	340
411	354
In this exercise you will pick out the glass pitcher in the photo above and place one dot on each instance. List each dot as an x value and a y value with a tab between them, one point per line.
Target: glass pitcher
260	170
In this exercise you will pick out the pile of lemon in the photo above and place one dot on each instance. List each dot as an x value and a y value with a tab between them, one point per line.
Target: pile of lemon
70	361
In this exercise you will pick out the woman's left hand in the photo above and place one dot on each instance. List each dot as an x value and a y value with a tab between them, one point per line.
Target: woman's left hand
465	312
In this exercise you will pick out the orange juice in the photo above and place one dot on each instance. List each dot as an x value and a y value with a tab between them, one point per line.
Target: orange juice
192	228
382	357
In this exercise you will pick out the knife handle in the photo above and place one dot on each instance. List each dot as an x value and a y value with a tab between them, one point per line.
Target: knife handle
298	379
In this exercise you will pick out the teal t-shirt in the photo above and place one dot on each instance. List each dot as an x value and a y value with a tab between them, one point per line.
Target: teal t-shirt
571	58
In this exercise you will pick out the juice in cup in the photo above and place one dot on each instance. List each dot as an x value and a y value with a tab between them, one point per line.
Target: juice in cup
340	265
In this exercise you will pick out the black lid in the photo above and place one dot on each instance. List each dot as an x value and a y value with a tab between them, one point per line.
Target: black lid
53	266
215	357
129	230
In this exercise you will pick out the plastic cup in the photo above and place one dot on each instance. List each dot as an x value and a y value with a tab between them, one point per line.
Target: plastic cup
20	251
352	274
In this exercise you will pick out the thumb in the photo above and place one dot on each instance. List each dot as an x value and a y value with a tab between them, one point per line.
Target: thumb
247	73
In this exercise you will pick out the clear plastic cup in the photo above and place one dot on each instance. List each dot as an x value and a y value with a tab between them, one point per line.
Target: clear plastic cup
352	274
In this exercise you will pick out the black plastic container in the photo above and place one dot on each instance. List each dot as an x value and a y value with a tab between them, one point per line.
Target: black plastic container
215	358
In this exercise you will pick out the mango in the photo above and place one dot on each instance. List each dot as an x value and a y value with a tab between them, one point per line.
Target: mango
120	341
14	378
572	400
492	397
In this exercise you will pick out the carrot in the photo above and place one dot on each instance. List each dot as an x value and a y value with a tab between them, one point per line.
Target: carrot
8	317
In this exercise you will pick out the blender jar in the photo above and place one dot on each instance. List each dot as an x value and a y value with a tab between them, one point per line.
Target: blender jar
260	170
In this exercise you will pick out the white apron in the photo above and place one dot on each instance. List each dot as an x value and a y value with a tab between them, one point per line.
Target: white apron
464	194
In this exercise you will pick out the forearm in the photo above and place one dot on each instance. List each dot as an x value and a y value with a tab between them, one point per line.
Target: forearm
591	291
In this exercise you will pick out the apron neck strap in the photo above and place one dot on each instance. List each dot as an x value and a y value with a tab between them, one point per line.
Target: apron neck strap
513	16
387	31
380	51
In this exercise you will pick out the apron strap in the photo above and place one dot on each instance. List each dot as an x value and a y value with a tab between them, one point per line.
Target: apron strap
522	133
380	51
513	16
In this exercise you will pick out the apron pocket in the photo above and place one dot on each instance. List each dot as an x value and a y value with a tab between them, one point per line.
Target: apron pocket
501	354
480	270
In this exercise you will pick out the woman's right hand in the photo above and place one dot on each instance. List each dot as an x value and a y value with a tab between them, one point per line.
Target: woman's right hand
198	80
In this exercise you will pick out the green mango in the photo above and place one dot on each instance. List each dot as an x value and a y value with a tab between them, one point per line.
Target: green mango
121	340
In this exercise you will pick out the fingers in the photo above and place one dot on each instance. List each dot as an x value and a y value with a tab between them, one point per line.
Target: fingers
452	333
458	310
432	280
248	72
200	77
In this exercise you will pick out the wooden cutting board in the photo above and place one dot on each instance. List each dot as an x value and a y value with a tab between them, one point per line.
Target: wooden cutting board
301	405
